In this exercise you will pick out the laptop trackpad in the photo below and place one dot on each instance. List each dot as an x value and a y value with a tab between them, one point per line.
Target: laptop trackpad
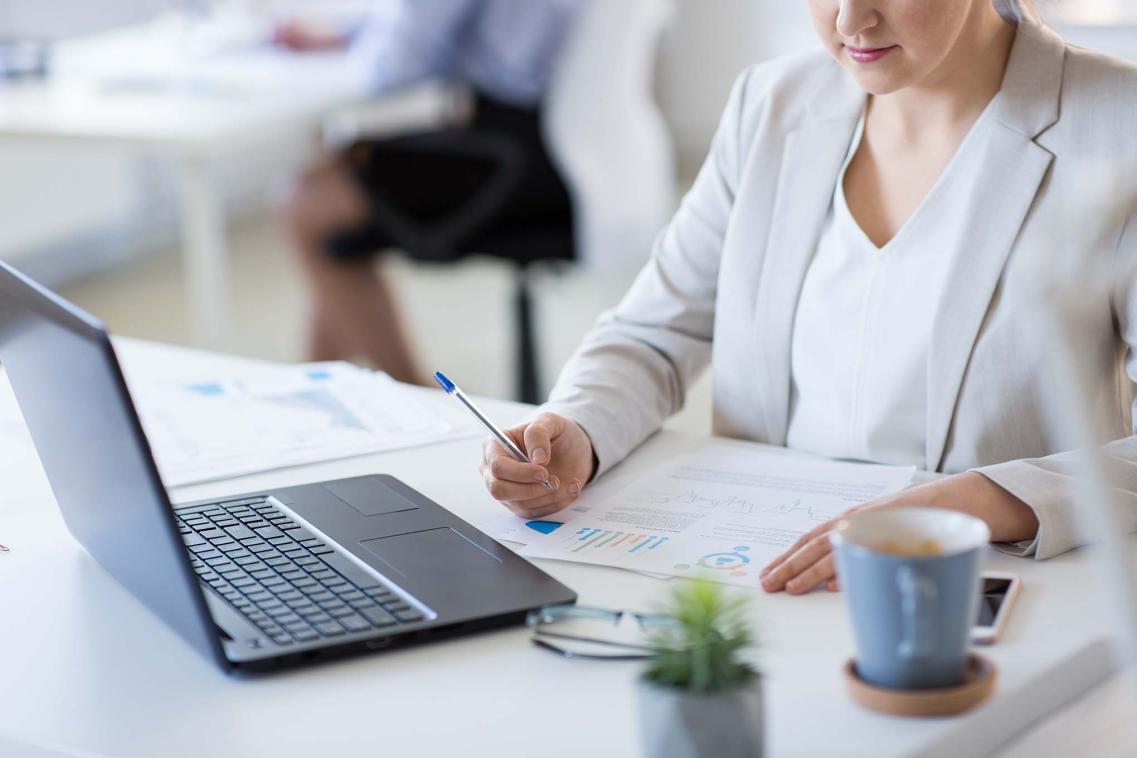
370	497
451	571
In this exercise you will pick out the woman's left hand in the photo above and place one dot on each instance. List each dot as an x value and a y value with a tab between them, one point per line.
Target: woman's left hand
808	564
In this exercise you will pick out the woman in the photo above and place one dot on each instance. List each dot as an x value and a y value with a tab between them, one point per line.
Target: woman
858	250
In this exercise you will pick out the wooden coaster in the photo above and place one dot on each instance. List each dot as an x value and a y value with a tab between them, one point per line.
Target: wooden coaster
945	701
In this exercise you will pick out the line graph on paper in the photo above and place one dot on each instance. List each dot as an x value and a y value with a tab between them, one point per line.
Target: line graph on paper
731	504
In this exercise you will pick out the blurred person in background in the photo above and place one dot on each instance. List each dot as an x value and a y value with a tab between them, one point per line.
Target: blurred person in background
432	195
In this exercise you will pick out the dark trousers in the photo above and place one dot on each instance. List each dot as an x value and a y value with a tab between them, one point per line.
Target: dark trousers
490	187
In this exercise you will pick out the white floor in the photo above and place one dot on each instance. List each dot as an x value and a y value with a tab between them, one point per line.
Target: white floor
459	316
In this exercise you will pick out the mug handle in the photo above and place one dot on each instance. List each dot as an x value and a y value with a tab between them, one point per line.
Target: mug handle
918	613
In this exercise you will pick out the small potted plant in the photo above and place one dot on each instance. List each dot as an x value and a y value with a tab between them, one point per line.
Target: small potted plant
698	698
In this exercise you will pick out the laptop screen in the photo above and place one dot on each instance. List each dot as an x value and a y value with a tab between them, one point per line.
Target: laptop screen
74	401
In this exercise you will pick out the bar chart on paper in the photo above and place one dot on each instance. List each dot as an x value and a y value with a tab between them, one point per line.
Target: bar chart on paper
628	543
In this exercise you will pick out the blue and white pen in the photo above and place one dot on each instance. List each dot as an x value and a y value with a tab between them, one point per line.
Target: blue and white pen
453	391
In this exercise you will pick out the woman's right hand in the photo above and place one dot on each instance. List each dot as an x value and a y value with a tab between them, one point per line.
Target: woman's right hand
559	451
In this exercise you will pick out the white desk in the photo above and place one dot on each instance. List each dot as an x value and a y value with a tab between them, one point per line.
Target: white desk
145	88
86	667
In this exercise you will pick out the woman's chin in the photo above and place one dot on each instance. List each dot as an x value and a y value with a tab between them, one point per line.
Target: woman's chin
879	82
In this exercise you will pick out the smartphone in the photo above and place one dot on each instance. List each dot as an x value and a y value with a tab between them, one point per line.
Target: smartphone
999	593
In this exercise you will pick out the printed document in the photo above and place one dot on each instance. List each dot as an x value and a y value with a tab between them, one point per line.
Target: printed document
719	512
271	416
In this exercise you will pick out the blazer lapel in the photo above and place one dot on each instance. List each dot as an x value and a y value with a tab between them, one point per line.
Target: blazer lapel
810	165
1016	166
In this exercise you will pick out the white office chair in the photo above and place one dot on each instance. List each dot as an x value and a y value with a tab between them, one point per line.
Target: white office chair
608	135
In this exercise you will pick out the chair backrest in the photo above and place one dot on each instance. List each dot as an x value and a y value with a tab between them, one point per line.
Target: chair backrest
606	131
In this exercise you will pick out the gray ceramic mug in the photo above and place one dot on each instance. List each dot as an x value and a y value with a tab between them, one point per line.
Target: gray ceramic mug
911	580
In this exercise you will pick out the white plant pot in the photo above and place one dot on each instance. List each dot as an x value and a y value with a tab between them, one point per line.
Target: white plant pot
677	724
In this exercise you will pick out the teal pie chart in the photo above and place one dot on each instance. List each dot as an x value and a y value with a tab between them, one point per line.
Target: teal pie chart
732	562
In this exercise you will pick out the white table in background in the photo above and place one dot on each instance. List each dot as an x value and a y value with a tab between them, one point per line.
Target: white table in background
87	668
146	88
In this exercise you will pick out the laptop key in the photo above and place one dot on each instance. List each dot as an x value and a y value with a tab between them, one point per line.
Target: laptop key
329	628
307	635
408	616
191	539
355	623
268	532
240	532
377	616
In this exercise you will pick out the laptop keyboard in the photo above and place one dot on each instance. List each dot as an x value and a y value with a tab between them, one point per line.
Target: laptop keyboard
287	581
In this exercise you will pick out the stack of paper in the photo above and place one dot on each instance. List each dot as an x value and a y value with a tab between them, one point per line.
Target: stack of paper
717	512
269	416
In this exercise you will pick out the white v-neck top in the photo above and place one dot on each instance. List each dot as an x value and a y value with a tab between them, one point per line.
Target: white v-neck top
860	343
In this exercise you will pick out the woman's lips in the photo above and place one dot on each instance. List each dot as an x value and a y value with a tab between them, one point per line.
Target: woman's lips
868	54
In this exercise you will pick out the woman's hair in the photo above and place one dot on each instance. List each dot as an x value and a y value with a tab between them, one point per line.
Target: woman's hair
1014	11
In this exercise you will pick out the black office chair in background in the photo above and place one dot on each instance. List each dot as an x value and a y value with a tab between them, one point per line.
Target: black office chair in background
486	188
603	126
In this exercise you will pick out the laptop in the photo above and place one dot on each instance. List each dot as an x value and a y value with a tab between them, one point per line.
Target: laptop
255	580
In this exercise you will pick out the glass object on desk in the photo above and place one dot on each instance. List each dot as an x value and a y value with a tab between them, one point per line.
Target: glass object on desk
574	631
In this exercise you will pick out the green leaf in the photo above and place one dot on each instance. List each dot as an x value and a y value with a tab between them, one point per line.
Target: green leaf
701	652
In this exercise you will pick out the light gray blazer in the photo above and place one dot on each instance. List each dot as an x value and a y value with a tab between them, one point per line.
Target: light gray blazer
724	277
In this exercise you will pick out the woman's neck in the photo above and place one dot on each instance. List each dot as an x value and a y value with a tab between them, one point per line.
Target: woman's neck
959	89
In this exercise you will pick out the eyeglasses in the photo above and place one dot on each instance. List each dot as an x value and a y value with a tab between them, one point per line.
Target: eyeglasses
598	634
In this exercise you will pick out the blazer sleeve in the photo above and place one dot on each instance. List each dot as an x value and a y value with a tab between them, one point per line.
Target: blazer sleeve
1049	485
635	365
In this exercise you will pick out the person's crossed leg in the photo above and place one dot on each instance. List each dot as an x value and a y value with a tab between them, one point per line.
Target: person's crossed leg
353	312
